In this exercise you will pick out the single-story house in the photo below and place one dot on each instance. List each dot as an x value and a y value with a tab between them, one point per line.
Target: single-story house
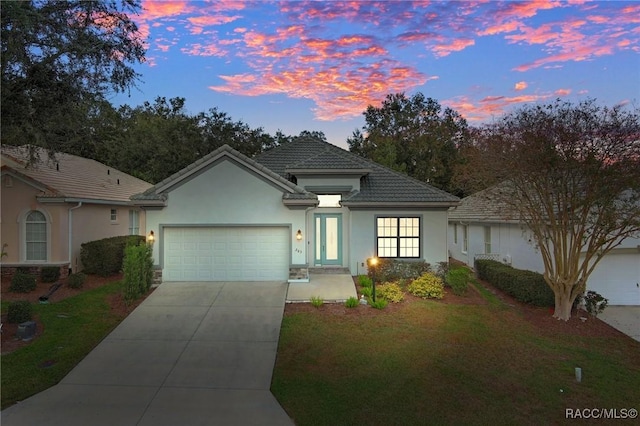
304	204
480	228
50	207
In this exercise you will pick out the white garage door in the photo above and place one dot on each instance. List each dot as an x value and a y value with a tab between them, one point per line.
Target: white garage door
226	254
617	277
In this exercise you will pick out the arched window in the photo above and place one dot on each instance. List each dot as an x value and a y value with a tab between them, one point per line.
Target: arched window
36	236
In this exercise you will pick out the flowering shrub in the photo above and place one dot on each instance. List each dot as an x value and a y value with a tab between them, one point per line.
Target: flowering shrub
428	286
391	292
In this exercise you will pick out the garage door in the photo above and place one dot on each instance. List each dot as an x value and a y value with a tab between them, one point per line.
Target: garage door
226	254
617	277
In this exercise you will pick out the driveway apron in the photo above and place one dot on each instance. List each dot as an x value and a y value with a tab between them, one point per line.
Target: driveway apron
191	354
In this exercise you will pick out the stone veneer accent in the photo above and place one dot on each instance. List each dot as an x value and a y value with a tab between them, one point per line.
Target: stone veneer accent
157	276
10	271
299	272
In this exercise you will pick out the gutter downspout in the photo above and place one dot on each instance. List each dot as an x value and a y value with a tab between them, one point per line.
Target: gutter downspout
70	217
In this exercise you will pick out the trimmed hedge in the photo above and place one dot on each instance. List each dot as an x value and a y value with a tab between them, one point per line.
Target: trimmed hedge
138	271
388	270
22	283
525	286
104	257
19	311
50	274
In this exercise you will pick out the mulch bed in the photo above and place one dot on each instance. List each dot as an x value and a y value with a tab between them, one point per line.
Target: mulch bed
541	318
116	302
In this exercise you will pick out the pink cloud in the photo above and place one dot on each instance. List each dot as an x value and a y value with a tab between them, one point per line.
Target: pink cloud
521	85
454	46
562	92
489	106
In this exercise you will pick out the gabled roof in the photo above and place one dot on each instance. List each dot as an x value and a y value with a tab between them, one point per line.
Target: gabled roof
292	194
482	207
379	187
69	178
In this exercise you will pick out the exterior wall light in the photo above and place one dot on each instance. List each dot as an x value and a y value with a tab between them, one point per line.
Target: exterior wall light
299	235
151	237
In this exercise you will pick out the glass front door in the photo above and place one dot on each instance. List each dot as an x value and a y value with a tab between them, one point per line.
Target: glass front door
328	239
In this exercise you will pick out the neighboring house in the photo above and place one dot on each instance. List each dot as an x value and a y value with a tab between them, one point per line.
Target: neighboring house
480	228
49	208
304	204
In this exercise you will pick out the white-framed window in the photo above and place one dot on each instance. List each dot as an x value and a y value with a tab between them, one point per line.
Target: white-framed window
329	200
35	232
487	239
398	237
114	215
465	238
134	222
455	233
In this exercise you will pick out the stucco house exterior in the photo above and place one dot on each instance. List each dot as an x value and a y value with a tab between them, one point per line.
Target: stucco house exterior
305	204
480	228
49	208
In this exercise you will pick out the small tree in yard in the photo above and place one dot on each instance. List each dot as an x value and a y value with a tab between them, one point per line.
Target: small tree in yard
571	174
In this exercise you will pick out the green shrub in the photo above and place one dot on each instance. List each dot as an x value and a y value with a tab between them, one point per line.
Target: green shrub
428	286
391	292
366	291
457	280
76	280
364	281
22	283
388	270
138	271
19	311
351	302
50	274
316	301
379	303
525	286
105	257
595	303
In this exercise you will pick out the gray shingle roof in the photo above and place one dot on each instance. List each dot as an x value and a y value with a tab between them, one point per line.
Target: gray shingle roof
381	186
72	177
157	192
482	207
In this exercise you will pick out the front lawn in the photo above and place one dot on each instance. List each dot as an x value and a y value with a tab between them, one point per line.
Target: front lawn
431	362
72	327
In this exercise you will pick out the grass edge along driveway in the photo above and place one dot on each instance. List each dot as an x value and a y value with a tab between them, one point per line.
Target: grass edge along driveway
72	328
437	363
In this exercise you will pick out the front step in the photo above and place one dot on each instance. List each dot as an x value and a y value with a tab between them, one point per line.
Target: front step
329	270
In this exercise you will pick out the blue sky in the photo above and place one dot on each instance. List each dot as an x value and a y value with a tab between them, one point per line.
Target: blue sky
317	65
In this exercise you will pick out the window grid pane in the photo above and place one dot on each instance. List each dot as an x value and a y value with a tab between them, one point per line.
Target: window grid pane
36	236
398	237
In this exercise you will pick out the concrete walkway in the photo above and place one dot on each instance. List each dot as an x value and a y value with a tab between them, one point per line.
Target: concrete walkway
332	288
190	354
623	318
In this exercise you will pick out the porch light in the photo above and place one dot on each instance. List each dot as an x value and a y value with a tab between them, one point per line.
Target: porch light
373	261
151	237
299	235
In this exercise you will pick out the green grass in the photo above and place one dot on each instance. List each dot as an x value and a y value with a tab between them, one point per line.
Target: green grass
437	363
72	327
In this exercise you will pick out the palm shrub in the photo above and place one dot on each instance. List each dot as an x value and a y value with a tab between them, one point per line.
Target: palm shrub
138	271
428	286
366	291
391	292
351	302
316	301
364	281
379	303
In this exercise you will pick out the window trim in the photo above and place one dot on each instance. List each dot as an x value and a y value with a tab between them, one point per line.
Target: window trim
134	222
113	215
398	237
23	235
465	239
487	241
455	233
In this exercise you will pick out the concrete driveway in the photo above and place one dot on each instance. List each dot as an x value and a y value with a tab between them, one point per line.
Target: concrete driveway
190	354
623	318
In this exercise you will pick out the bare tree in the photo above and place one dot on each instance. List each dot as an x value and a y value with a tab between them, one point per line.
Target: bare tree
571	174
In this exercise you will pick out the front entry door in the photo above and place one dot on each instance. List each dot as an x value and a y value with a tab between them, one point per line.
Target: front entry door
328	229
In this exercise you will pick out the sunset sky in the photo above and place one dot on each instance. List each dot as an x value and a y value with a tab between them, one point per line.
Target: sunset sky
317	65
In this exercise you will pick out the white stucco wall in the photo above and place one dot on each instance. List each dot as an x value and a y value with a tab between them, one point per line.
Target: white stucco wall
363	235
227	194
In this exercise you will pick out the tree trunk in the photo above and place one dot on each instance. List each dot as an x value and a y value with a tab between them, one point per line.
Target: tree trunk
564	303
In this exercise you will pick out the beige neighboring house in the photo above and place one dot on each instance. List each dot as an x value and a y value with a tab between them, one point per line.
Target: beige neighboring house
53	206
